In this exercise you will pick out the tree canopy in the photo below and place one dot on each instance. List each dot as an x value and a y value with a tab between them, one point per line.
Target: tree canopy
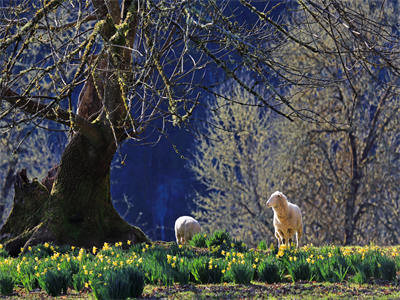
117	70
339	161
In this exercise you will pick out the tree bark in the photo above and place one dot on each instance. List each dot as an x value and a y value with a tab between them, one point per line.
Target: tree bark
74	207
78	210
349	226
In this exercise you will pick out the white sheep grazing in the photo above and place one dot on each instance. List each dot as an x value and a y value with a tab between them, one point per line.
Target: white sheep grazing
287	219
185	228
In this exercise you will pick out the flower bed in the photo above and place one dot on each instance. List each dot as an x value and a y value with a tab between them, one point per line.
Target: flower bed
122	270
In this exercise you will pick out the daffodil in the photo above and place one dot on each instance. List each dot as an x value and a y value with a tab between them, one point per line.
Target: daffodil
106	246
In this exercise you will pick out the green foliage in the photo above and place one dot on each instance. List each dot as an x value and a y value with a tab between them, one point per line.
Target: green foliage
179	271
262	245
119	284
41	251
3	252
219	240
376	265
25	275
155	271
331	270
205	270
299	269
268	270
78	281
198	240
387	269
239	246
54	282
107	272
240	272
360	276
6	284
164	269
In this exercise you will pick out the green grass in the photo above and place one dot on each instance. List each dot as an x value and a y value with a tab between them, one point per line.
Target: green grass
259	290
226	268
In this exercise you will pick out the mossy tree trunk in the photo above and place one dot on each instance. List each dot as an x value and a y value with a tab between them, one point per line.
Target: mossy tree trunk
75	206
78	209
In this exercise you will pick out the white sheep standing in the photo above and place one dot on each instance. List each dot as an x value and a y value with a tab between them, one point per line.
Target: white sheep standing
185	228
287	219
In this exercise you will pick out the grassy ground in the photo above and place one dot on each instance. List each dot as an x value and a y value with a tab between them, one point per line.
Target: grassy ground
151	257
256	290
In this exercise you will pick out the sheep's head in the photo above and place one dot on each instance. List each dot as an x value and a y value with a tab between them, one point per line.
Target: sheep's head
276	199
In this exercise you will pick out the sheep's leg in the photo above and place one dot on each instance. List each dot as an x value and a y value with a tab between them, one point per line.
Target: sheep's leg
290	237
299	234
286	241
279	238
179	239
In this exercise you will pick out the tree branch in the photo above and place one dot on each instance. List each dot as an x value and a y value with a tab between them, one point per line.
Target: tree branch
30	26
48	112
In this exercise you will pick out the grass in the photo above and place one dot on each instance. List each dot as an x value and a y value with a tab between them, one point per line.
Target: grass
259	290
224	269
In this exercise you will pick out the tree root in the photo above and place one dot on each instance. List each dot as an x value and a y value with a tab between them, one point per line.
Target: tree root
33	221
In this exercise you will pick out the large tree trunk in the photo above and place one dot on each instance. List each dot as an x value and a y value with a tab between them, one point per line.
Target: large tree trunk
350	224
78	210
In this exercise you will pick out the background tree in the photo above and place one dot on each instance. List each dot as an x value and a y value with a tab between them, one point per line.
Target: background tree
233	158
141	64
339	161
347	156
343	164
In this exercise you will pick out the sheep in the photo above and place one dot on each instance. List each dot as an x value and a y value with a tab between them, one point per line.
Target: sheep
287	219
185	228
